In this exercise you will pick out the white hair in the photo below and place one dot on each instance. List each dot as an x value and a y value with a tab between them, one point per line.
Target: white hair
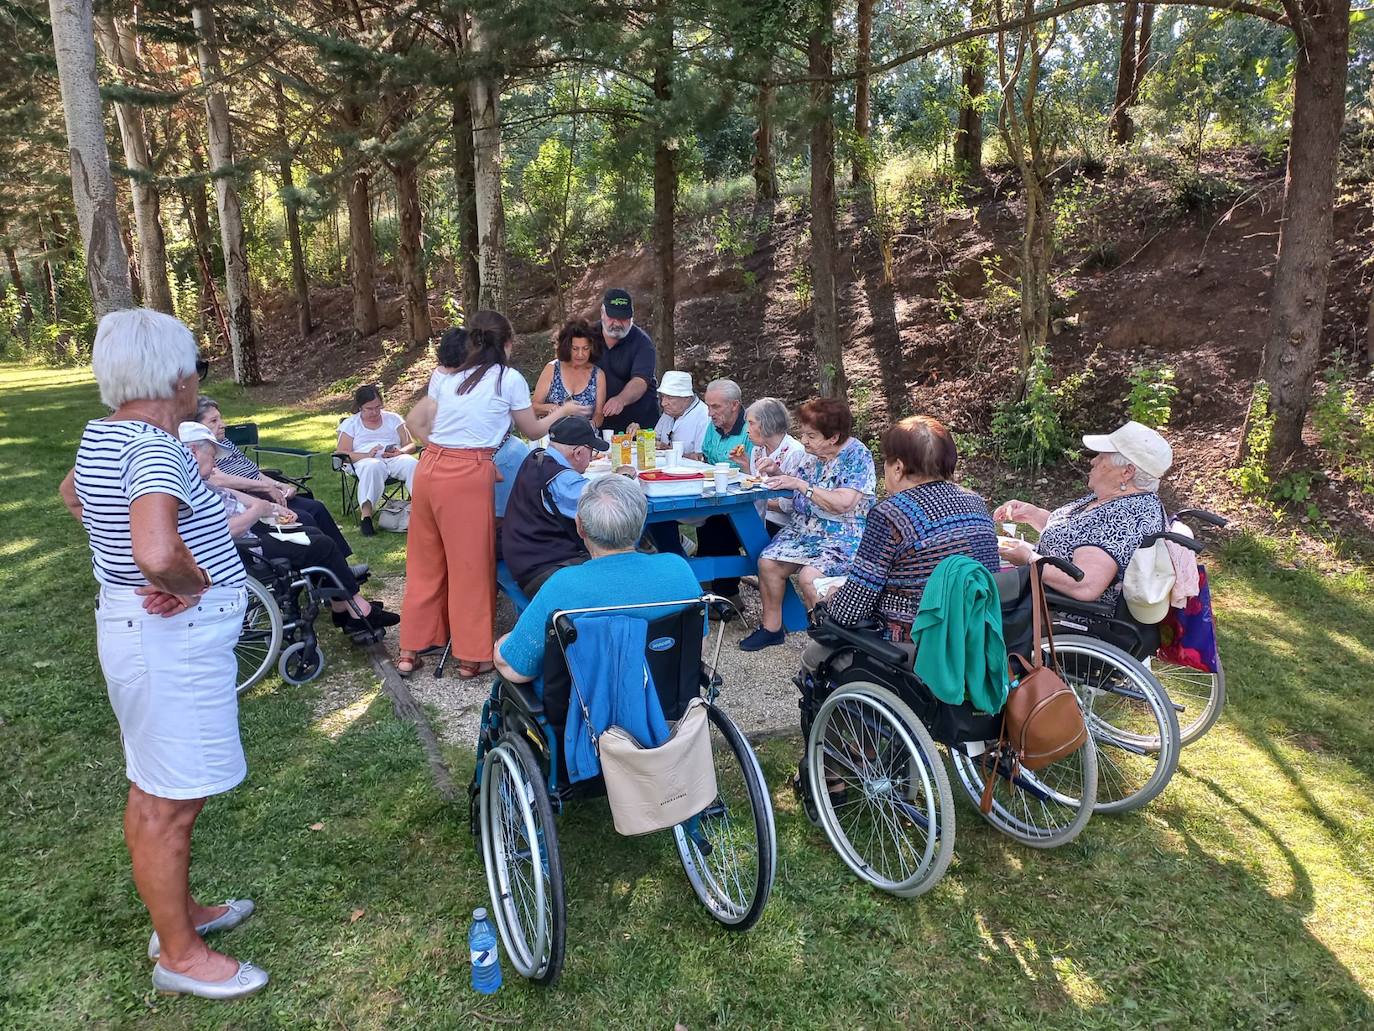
140	354
612	511
1141	480
771	415
727	388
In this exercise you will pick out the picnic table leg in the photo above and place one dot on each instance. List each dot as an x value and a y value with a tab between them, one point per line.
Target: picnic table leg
754	536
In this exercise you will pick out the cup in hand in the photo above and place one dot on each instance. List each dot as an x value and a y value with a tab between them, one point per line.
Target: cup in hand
1009	529
722	477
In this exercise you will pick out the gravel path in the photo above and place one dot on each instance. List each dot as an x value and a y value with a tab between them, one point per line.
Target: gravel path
758	691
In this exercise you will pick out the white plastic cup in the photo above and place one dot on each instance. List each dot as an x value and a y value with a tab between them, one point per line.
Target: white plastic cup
722	477
677	453
608	436
1009	529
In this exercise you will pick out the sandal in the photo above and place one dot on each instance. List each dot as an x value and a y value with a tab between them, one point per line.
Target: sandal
408	664
473	670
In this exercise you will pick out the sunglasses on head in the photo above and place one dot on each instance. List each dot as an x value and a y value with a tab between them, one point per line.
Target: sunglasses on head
203	368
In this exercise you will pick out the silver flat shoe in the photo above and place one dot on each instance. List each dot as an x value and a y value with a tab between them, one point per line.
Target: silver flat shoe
247	980
239	910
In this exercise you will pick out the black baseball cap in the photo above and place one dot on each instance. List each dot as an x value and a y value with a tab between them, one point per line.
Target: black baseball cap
618	304
577	431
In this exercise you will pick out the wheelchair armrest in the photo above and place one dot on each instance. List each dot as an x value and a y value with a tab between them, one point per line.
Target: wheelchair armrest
1202	516
1177	538
1063	603
828	631
525	697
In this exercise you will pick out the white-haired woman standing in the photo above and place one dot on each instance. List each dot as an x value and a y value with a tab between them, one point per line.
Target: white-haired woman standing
169	612
1100	531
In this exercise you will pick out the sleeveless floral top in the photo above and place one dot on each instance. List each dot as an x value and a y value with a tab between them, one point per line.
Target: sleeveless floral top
558	392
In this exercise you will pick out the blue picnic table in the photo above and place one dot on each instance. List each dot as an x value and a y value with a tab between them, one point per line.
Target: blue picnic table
738	506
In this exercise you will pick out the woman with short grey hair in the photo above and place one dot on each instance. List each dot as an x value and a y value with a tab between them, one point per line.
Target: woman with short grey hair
772	452
1100	531
168	615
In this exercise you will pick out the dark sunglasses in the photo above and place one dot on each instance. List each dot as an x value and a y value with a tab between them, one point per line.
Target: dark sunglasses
203	368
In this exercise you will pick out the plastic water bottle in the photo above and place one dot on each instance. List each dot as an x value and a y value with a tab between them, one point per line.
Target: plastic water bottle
486	965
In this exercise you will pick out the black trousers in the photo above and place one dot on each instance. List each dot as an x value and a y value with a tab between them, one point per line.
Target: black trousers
321	551
315	513
717	537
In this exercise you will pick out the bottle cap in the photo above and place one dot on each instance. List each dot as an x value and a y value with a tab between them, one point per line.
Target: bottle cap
480	913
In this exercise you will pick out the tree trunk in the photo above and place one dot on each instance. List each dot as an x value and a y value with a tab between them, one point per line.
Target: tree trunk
16	276
1369	331
1121	127
825	320
1142	51
863	51
299	278
665	195
1292	349
196	211
409	252
362	247
135	277
765	169
118	45
93	190
484	96
46	277
465	198
968	139
242	343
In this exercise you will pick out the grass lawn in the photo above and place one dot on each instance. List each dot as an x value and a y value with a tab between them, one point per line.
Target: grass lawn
1240	898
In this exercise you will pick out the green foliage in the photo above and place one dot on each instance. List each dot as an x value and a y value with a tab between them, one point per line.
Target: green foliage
731	236
1151	398
1252	475
1078	212
1345	427
1031	431
11	314
801	284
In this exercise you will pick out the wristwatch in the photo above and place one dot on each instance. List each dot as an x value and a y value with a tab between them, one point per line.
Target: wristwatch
204	577
809	492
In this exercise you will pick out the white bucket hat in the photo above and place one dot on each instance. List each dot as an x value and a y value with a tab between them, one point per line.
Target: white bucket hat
676	384
197	433
1142	447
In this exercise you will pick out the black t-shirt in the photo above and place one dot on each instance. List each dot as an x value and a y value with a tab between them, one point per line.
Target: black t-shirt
633	356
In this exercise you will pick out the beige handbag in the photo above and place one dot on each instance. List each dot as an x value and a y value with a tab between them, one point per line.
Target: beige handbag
652	789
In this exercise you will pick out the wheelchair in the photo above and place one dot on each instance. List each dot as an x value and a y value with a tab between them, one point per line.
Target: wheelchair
1141	709
728	851
870	724
279	618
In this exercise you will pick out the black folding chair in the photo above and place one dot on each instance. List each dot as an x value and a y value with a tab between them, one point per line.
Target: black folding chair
244	436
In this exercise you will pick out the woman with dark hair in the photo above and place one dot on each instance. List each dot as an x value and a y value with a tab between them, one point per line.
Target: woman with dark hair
451	547
924	519
573	375
378	447
831	495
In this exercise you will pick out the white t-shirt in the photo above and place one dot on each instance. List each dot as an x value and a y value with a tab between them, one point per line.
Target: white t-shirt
388	434
790	454
689	428
481	417
437	379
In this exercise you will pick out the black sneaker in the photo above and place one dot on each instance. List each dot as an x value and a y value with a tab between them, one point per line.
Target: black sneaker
365	525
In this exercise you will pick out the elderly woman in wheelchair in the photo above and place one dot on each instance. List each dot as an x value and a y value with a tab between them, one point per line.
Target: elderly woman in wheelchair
574	668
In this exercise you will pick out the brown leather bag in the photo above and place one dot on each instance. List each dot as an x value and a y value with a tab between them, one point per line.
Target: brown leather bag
1041	722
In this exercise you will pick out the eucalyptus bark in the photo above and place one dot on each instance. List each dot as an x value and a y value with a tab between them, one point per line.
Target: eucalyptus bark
118	45
1293	346
410	253
300	279
665	195
465	199
862	59
484	97
765	168
97	211
825	317
242	343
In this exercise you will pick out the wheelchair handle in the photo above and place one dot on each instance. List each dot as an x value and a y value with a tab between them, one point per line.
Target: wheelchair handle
1168	535
1063	565
1202	516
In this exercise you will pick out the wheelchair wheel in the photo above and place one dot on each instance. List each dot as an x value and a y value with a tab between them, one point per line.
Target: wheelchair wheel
520	851
729	850
1042	808
260	638
893	821
301	663
1130	717
1198	697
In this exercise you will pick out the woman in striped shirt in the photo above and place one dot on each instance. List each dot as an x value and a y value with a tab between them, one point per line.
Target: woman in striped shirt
169	612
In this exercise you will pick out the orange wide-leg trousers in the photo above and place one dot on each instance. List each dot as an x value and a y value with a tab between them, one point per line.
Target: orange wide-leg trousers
451	554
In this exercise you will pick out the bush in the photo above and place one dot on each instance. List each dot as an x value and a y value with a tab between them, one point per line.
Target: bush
1031	431
1151	399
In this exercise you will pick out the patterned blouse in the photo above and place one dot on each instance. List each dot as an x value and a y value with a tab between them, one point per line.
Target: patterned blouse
815	537
1117	526
558	392
907	536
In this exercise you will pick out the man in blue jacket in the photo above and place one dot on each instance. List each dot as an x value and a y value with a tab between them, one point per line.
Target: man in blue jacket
610	520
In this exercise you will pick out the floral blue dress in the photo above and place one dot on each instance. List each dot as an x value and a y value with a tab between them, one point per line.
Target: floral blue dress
823	540
558	392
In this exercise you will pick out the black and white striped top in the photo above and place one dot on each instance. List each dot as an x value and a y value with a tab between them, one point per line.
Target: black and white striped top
231	460
119	462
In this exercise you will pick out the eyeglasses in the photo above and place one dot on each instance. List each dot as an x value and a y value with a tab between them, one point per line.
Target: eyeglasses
203	368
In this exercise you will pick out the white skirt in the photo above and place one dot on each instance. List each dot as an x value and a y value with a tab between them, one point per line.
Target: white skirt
173	684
